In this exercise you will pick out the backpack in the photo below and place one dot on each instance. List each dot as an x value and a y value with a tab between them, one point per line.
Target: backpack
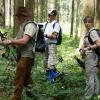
59	38
40	43
97	50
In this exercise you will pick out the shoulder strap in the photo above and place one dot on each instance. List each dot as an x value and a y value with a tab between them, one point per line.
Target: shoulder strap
47	23
35	38
35	33
89	38
28	23
45	26
54	24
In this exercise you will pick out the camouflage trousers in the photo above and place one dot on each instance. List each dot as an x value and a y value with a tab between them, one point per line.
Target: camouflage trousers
92	82
50	56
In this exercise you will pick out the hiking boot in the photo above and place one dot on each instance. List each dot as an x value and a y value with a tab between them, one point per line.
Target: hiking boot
52	75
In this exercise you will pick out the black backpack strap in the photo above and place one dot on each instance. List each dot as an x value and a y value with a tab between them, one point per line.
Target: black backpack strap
89	38
97	50
54	25
45	25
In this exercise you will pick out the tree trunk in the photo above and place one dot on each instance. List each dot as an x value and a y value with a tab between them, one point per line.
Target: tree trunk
46	9
30	4
88	11
57	7
97	22
11	13
17	3
77	18
42	12
37	9
7	12
72	19
2	18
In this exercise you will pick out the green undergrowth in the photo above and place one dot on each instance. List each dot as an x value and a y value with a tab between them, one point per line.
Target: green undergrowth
73	89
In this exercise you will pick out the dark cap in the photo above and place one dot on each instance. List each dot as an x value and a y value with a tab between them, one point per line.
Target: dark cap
52	13
22	11
88	19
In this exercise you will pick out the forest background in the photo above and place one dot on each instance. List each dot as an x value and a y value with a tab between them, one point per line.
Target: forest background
70	17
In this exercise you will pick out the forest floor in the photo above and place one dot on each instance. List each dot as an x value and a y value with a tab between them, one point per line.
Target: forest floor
72	89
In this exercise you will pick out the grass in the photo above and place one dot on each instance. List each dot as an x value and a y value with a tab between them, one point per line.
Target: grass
43	89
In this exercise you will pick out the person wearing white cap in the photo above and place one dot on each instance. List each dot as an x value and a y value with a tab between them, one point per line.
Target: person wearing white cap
50	33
